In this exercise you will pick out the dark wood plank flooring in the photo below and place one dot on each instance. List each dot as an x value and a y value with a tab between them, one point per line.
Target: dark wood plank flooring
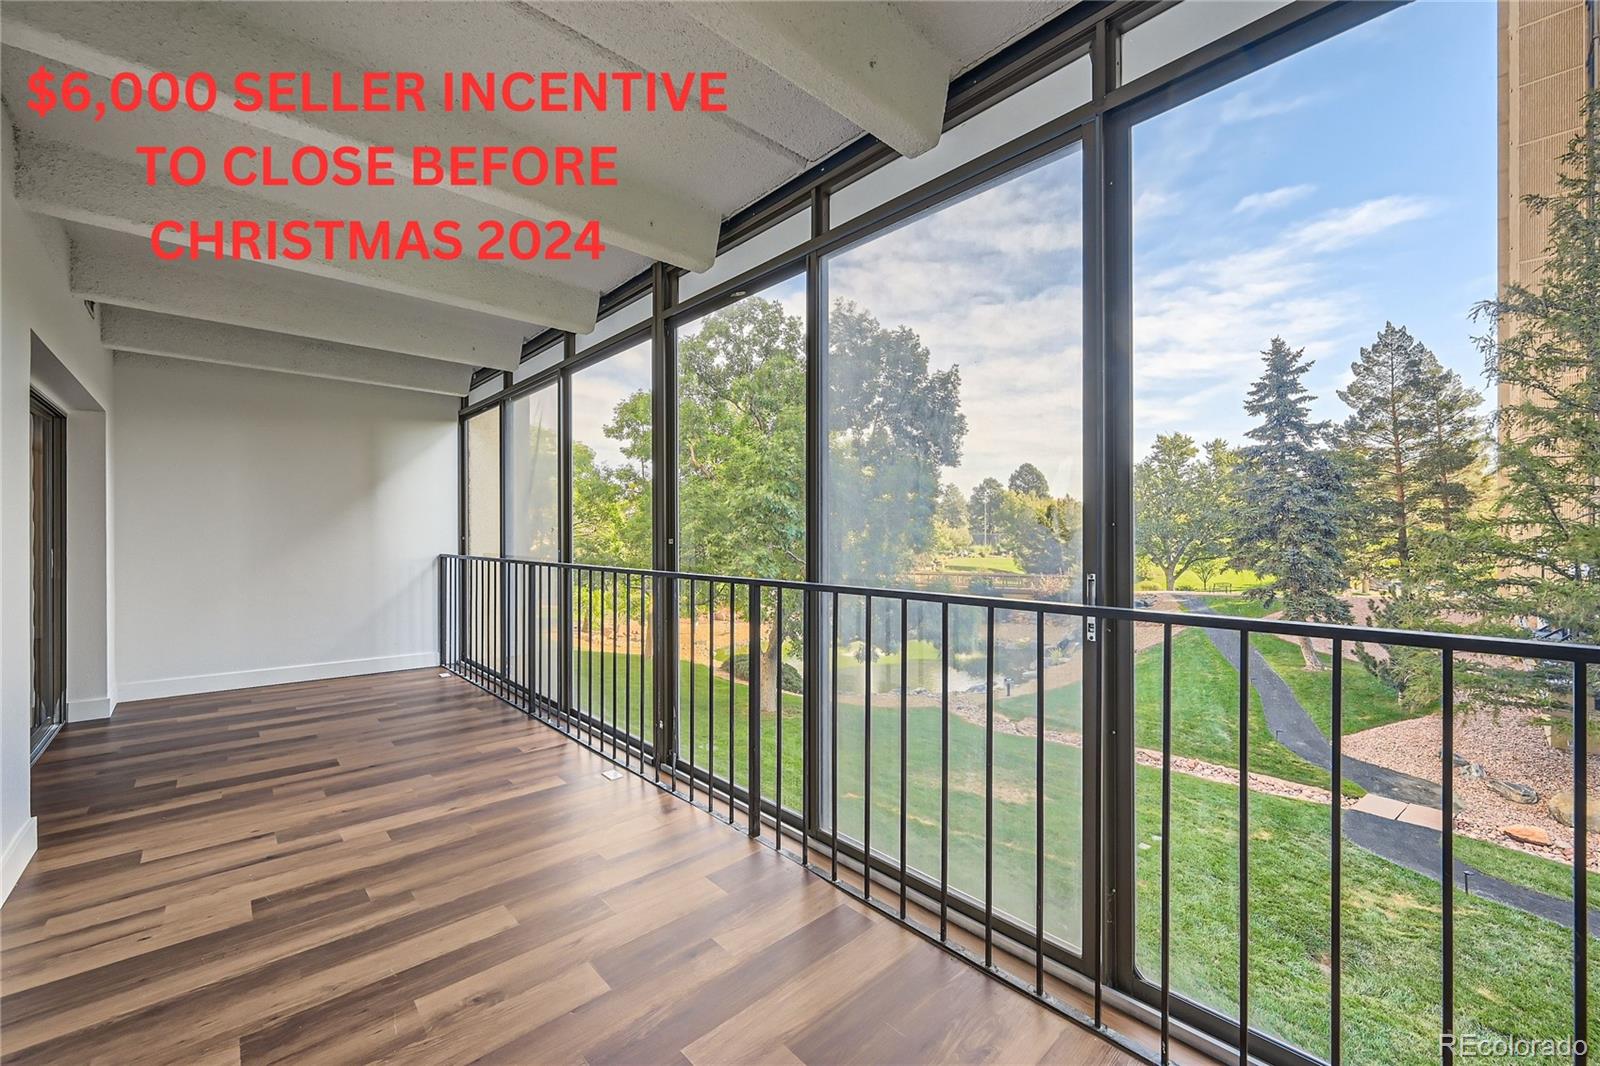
401	868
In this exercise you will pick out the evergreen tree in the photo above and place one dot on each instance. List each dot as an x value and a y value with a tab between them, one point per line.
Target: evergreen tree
1029	480
1544	353
1294	498
1410	442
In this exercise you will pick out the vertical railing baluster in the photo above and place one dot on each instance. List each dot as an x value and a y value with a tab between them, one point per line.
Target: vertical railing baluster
866	772
711	695
692	749
807	794
753	702
733	731
616	600
628	673
905	659
1580	863
1336	789
944	772
1038	805
988	793
1447	862
1166	841
1244	845
777	723
833	743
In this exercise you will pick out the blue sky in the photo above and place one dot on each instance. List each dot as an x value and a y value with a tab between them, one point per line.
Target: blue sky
1348	185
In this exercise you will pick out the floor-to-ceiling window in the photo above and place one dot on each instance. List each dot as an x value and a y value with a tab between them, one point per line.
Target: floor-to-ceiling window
610	406
1308	246
741	486
954	462
533	531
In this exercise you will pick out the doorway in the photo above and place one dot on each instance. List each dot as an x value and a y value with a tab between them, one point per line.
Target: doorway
48	517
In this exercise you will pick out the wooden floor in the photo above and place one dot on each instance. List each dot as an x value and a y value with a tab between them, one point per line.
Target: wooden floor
401	868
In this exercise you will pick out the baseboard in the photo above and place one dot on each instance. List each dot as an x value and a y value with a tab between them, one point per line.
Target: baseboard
18	853
161	688
89	710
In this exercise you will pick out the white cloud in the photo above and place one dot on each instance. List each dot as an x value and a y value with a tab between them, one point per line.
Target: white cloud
1248	105
1347	225
1272	199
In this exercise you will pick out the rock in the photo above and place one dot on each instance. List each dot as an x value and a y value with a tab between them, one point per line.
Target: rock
1561	809
1514	791
1528	834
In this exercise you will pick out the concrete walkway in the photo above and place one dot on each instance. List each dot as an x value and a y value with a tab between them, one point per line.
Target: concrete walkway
1296	730
1400	818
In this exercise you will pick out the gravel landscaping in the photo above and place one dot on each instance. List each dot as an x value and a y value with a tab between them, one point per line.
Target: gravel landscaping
1509	747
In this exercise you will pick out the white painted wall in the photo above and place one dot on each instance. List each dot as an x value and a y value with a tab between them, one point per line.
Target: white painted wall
274	528
34	299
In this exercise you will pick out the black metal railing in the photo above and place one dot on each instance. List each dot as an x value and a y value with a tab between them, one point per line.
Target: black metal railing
701	684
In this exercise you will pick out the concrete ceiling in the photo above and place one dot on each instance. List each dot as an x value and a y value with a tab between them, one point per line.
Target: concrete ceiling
803	79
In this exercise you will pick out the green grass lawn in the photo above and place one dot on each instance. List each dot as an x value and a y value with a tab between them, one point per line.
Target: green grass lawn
1368	700
978	564
1512	969
1190	581
1238	606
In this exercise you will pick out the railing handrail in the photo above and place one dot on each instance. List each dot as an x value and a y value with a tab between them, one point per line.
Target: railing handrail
1518	647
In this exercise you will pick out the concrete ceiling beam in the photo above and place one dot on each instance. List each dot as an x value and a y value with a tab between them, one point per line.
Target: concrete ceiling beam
125	329
76	185
106	38
104	268
863	61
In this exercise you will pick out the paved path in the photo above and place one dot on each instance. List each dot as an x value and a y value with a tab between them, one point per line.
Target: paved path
1416	847
1296	730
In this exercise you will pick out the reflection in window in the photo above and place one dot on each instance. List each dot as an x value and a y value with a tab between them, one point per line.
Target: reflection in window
483	482
533	474
954	462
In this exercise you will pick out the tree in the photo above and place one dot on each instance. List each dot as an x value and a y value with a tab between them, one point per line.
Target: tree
1544	353
950	520
1410	440
983	509
1044	534
1182	504
1028	480
893	424
1294	498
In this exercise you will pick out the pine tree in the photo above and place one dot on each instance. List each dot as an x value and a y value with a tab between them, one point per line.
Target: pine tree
1382	438
1544	353
1294	498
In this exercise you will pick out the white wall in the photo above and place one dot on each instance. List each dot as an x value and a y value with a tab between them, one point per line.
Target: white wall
274	528
34	299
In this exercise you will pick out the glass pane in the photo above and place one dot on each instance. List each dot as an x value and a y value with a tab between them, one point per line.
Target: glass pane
483	482
611	525
611	442
1182	29
533	474
742	511
774	240
954	463
615	323
1286	304
1022	112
